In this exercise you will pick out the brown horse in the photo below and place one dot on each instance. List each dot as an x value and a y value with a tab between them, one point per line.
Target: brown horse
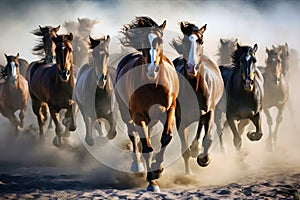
243	96
225	50
14	93
52	85
203	74
94	90
276	92
146	88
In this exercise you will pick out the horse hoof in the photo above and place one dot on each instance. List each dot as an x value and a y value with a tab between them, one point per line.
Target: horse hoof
56	142
153	188
137	167
156	173
203	160
254	136
89	141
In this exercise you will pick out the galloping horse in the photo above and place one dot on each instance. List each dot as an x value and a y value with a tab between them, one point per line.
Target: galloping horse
285	58
243	93
226	48
276	92
52	85
146	88
94	89
203	74
14	93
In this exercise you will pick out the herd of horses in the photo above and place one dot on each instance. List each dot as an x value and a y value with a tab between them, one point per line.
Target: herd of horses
146	86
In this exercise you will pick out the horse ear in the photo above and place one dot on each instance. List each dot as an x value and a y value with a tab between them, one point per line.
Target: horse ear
6	56
267	50
255	48
107	39
141	23
286	44
163	25
56	29
221	41
236	40
238	45
203	29
182	26
273	46
17	56
70	36
78	19
91	39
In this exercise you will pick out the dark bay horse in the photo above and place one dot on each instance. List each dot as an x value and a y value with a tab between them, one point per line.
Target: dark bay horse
14	93
243	96
225	50
276	92
203	74
52	85
146	88
94	90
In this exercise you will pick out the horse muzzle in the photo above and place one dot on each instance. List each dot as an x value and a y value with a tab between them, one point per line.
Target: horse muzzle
152	72
102	82
64	75
191	70
248	85
277	80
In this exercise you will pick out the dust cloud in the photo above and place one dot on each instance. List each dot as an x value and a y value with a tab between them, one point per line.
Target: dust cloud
266	23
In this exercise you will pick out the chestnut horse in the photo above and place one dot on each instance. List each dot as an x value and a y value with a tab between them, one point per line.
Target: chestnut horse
94	90
276	92
14	92
52	85
203	74
243	96
146	88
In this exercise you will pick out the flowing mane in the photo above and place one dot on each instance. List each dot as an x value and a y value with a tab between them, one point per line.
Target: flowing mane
38	49
177	44
131	33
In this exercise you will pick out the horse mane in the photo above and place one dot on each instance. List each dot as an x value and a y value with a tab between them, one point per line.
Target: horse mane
238	53
38	49
177	44
224	47
130	34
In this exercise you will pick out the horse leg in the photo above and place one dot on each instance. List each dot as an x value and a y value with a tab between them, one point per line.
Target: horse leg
58	129
185	150
237	140
37	110
147	151
88	130
278	122
22	115
203	159
137	164
195	149
12	118
69	122
270	123
255	136
112	126
218	122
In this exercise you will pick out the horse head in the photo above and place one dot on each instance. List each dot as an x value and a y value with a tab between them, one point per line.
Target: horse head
244	58
284	58
64	56
12	70
274	66
192	46
100	59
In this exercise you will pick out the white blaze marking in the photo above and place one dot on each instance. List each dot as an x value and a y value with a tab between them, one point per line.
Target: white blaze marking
152	52
13	69
193	59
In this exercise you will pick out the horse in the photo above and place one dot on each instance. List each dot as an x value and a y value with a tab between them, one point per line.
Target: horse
14	93
51	85
146	88
82	29
276	92
243	96
45	47
94	89
225	50
203	74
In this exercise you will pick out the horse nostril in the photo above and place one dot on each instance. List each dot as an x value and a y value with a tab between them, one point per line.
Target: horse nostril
156	69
